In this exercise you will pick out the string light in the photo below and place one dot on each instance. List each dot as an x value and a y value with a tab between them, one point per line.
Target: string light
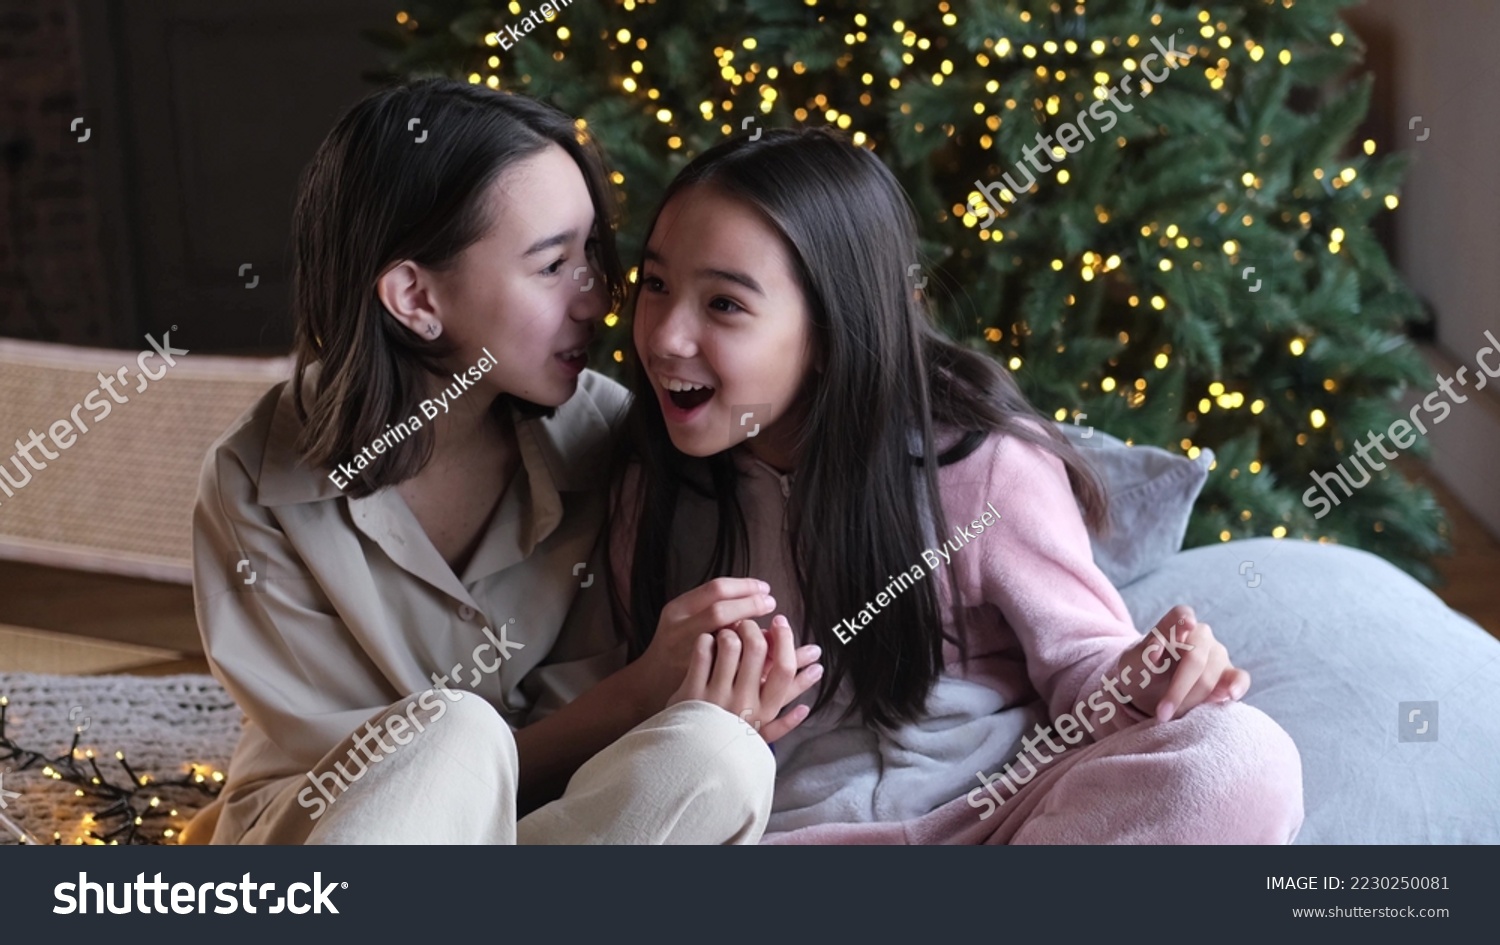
133	804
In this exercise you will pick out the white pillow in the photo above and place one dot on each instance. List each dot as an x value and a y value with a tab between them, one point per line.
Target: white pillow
1151	495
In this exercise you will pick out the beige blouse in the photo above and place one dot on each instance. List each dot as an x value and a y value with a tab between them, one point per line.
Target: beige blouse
318	610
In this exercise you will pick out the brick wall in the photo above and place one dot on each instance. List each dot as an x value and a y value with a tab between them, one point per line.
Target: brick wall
52	275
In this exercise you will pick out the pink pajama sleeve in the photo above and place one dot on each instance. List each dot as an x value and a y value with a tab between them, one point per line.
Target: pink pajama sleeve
1035	565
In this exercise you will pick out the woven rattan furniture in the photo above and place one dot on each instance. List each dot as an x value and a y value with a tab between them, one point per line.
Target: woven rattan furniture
119	498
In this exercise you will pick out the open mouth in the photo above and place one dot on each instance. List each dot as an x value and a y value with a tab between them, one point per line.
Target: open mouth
686	396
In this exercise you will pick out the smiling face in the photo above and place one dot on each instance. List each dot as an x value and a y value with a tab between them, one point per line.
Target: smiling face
514	291
722	327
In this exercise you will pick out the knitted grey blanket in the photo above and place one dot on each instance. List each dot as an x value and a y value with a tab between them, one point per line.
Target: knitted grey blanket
169	728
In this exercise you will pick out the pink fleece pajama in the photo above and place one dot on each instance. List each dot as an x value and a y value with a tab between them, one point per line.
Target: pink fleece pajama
1043	628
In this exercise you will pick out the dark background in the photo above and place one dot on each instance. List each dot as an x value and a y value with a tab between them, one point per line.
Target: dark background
200	115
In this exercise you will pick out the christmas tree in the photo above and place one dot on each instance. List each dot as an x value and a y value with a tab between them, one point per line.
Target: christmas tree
1191	265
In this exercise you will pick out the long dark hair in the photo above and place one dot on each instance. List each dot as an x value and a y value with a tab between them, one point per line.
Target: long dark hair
864	502
374	195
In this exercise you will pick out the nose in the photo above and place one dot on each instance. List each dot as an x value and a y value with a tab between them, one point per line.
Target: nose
592	294
668	328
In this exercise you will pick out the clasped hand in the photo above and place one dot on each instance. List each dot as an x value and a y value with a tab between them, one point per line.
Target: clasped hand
708	638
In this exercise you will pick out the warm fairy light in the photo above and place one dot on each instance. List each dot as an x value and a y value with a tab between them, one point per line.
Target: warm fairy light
1297	346
1318	418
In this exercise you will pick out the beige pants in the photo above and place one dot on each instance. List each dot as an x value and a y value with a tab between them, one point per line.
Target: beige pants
693	773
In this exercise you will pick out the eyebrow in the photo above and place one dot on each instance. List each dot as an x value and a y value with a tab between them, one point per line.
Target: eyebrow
542	245
729	275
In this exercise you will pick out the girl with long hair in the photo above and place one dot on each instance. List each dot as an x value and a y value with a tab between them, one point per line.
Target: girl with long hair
798	418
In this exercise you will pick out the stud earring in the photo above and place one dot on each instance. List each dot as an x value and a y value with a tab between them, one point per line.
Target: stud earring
432	329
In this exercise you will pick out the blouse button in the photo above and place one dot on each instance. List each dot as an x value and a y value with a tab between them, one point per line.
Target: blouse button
466	612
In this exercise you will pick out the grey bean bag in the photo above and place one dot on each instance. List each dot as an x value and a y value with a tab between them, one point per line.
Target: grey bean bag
1392	697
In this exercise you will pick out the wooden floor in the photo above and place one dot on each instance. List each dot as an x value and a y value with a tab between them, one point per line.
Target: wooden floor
1471	576
54	621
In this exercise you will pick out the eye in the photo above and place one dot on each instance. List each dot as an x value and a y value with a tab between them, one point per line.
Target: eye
553	269
724	305
652	284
